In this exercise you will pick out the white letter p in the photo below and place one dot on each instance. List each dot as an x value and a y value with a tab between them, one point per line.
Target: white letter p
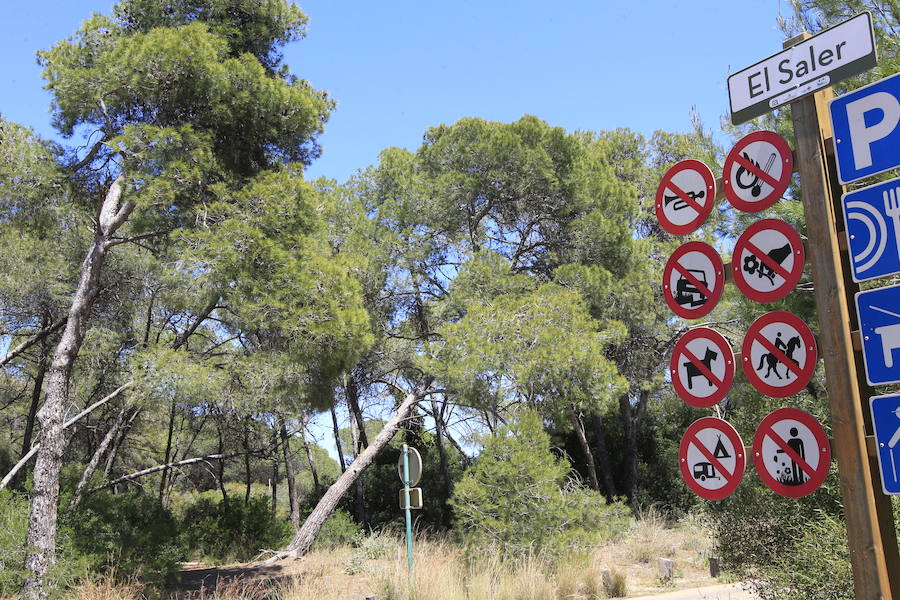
861	136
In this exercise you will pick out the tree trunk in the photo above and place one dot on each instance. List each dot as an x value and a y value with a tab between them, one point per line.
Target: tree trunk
291	472
305	537
602	458
168	454
631	421
247	474
32	410
359	498
40	541
317	485
111	457
98	454
158	468
440	434
585	448
337	439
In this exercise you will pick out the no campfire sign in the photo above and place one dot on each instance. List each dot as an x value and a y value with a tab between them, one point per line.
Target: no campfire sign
711	457
791	452
757	171
779	354
768	260
685	197
693	279
702	367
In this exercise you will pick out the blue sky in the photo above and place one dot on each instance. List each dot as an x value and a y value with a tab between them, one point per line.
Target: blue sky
397	67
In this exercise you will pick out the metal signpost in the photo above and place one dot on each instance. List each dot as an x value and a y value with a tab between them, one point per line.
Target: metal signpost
410	470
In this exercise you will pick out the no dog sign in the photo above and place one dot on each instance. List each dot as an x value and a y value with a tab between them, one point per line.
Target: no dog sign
702	367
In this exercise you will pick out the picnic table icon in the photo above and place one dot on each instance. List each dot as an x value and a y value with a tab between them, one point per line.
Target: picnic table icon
890	337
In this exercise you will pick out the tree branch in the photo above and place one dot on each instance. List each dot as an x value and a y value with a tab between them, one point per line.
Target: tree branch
33	340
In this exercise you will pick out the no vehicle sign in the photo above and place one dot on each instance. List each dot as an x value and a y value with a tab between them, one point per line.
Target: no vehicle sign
711	457
779	354
693	280
757	171
685	197
768	260
702	367
791	452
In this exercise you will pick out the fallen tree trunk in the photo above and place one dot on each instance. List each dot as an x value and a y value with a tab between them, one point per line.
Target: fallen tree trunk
157	468
24	460
305	537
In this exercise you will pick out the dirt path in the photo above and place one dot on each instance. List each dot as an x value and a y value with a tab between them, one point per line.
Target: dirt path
731	591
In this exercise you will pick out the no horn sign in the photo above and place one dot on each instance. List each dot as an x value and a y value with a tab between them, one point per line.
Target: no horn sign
702	367
685	197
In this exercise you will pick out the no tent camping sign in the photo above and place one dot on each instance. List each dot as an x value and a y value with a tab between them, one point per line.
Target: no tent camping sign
712	458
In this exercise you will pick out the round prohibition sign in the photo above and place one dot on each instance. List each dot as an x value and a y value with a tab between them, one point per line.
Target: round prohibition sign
768	260
711	458
791	452
779	354
702	367
693	279
757	171
685	197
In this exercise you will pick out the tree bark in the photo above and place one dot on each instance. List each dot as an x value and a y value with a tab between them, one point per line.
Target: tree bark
291	472
43	333
317	485
438	414
168	455
32	410
98	454
631	421
120	439
359	499
602	458
41	538
337	440
585	448
305	537
66	425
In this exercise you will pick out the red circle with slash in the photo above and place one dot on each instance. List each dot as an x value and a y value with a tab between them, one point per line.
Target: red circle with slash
768	260
685	197
779	354
702	367
711	457
693	279
791	452
757	171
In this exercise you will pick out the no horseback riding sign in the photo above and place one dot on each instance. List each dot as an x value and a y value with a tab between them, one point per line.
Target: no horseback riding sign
779	354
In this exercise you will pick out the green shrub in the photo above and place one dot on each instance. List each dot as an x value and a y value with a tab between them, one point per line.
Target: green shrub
517	498
221	530
129	532
13	529
339	529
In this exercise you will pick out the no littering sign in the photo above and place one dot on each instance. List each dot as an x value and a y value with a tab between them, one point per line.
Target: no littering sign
712	458
791	452
685	197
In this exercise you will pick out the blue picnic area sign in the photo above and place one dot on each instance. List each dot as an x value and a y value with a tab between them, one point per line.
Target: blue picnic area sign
872	215
879	324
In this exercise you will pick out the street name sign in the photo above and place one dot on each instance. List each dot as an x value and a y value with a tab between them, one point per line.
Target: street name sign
768	260
822	60
886	423
791	452
693	280
879	327
866	124
757	171
702	367
711	457
685	197
779	354
872	215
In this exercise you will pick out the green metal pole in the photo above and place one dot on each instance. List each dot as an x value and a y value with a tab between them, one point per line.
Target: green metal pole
409	539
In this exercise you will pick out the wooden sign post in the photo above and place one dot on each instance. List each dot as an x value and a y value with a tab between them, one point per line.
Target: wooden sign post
871	533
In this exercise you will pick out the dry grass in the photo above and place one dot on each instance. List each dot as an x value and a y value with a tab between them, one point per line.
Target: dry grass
443	572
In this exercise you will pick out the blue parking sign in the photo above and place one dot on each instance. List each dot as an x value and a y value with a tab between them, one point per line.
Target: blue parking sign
866	125
879	325
886	422
872	215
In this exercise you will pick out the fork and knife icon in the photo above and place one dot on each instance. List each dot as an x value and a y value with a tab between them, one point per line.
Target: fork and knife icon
892	209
